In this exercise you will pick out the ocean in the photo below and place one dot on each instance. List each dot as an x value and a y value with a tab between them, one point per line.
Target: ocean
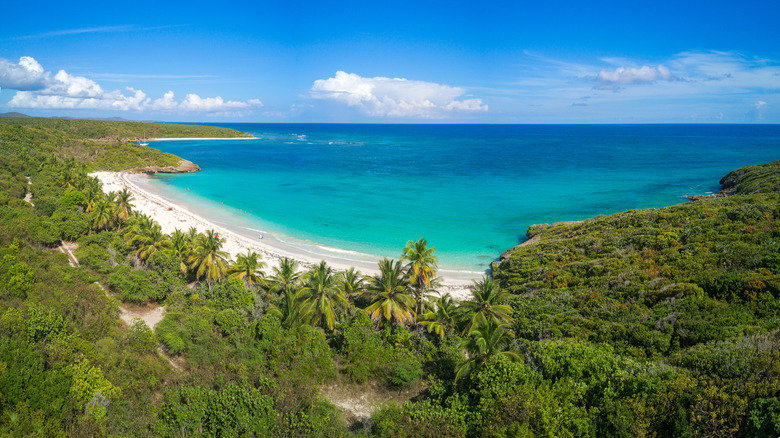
469	190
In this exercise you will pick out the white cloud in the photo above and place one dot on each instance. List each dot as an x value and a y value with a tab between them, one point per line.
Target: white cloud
39	89
27	74
631	75
394	97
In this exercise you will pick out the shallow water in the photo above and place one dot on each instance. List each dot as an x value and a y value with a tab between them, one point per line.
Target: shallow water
470	190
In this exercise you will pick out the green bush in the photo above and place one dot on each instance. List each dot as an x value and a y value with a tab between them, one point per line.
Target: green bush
404	370
71	224
46	206
764	418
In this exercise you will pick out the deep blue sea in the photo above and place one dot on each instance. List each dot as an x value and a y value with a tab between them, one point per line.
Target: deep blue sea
470	190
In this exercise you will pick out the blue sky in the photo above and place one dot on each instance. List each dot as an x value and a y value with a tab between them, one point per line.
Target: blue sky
399	62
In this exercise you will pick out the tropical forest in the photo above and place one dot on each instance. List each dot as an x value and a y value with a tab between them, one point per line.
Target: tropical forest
646	323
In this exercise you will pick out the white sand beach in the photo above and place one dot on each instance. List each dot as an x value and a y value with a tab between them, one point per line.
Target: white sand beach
200	138
171	216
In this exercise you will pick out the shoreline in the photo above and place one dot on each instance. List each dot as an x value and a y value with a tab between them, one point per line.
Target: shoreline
171	215
200	138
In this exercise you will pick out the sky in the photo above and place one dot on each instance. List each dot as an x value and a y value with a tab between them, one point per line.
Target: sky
394	62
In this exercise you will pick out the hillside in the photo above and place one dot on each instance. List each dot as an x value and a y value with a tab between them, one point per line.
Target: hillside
103	145
121	131
654	323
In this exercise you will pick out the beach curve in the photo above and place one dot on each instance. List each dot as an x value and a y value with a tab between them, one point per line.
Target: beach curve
171	215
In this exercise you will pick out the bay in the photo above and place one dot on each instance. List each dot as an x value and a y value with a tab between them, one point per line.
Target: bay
469	190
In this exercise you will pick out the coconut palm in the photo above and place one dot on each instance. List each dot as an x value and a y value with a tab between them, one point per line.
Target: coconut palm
180	248
289	311
138	224
321	298
102	214
286	276
391	300
421	268
150	242
486	306
248	267
93	194
483	343
442	317
352	283
68	173
207	258
123	206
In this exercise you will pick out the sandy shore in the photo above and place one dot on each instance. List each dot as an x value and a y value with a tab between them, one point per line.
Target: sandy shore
200	138
171	216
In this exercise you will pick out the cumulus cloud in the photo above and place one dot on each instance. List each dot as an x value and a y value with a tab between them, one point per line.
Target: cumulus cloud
39	89
395	97
632	75
27	74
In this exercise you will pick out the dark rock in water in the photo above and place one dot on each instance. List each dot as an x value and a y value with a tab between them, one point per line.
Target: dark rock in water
183	167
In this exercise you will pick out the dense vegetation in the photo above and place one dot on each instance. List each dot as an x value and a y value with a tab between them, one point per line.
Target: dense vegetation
98	129
644	323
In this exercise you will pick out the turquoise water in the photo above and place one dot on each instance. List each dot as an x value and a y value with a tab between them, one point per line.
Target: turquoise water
470	190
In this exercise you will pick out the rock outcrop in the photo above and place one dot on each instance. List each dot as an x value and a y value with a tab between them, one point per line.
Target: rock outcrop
183	167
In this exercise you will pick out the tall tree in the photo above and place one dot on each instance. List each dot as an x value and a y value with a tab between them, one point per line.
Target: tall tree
150	242
286	276
102	214
484	342
248	267
123	207
421	268
289	311
321	296
181	248
486	306
93	194
207	258
442	317
352	283
391	300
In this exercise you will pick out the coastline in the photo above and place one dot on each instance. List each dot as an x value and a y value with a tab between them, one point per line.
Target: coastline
171	215
201	138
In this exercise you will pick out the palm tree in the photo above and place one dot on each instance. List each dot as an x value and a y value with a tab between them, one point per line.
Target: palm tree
441	319
484	342
352	283
207	258
285	276
149	242
321	297
421	268
290	311
248	267
138	224
68	172
93	194
101	215
486	306
123	206
391	299
180	248
192	235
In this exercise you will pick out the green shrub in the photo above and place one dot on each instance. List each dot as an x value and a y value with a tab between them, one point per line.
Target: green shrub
404	370
764	418
46	206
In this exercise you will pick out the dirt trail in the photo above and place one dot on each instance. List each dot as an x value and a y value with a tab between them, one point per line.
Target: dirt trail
28	196
67	248
359	402
150	315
